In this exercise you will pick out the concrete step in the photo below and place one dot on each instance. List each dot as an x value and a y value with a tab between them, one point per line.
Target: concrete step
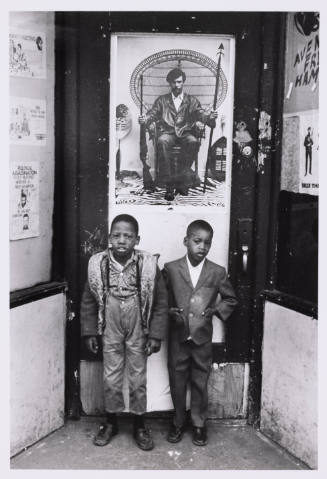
231	446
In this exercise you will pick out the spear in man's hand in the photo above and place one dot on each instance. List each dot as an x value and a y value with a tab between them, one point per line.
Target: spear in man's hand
118	161
147	178
220	53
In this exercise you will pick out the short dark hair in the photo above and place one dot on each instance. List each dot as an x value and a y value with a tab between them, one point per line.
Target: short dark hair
127	219
175	73
199	224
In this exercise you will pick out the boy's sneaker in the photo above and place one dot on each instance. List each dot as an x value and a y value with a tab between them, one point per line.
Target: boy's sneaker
105	433
143	439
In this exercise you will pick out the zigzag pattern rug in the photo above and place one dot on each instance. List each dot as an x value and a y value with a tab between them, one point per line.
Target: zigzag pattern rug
131	191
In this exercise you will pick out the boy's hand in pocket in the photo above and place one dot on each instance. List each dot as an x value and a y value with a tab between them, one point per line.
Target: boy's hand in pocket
208	313
175	314
91	344
152	346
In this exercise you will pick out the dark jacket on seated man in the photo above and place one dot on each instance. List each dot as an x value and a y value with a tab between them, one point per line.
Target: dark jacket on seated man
179	122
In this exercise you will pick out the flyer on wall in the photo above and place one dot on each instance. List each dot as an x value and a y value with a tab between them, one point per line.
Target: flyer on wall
309	153
24	199
301	65
27	121
27	54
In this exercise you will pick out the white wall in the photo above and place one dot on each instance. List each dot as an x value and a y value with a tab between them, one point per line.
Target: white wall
289	381
30	259
37	370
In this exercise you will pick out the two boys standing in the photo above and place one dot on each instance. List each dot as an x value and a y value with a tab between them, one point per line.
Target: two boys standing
126	301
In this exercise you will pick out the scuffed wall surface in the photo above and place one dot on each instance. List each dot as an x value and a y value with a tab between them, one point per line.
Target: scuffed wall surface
30	259
290	165
227	390
36	370
289	381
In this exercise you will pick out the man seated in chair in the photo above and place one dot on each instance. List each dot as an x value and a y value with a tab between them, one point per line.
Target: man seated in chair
177	116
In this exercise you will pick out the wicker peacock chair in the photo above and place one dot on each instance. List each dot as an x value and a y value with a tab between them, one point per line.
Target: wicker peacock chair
200	73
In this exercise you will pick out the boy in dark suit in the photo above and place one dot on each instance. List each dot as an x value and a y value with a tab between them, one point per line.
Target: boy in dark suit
197	289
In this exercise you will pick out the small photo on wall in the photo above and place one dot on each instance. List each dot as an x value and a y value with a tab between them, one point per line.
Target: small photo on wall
309	153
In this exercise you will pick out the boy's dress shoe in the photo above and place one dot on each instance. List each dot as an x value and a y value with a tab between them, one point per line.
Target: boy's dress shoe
175	433
143	439
105	433
199	436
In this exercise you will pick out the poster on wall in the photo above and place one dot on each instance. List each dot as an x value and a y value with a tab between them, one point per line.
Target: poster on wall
300	167
309	153
24	199
171	115
27	54
27	121
302	62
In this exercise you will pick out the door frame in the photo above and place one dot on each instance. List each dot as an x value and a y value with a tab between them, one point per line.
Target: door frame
82	133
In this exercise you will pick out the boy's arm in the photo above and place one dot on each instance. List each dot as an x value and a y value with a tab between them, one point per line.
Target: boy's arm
170	296
158	324
88	313
228	301
174	313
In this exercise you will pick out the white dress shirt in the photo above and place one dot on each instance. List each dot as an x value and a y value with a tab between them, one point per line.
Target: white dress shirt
177	100
195	271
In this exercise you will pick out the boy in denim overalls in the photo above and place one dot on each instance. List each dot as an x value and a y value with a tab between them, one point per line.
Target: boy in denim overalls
125	302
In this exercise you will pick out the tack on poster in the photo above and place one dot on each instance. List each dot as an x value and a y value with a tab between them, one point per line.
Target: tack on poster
194	169
27	54
24	199
27	121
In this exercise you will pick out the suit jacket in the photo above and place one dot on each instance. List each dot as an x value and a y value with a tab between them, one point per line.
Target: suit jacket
213	290
168	120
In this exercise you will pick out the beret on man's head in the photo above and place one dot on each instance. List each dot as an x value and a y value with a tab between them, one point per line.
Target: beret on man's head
175	73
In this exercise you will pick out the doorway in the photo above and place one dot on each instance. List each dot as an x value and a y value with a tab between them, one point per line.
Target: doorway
86	139
139	64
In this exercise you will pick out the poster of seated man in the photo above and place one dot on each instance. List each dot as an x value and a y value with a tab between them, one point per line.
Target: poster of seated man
178	99
179	119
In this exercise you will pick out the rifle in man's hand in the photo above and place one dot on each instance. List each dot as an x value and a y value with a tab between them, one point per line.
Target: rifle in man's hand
220	53
148	182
